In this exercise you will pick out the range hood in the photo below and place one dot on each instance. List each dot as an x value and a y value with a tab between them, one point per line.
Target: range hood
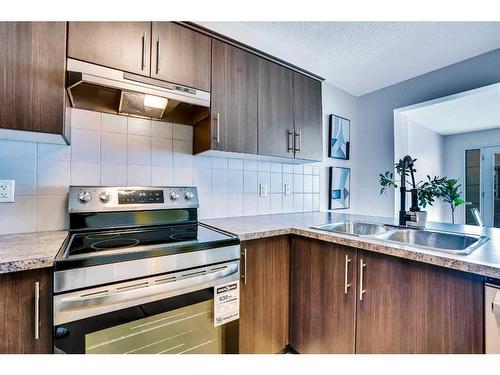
102	89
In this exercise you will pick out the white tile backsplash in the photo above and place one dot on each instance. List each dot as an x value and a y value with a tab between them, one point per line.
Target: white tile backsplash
138	149
139	126
250	184
219	181
234	205
161	152
113	174
264	205
235	181
138	175
219	205
113	123
83	173
85	145
21	170
51	212
53	177
18	217
112	150
161	129
161	176
82	119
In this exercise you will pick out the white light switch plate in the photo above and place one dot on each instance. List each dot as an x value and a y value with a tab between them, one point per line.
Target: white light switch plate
288	189
7	189
263	190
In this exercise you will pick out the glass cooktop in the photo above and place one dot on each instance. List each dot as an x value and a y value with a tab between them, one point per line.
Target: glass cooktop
116	245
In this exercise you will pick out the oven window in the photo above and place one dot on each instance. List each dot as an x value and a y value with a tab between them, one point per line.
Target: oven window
188	329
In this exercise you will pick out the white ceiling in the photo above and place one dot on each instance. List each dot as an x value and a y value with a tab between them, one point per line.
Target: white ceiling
466	112
361	57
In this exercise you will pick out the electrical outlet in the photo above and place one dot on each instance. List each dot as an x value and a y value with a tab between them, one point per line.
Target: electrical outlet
7	188
263	190
288	189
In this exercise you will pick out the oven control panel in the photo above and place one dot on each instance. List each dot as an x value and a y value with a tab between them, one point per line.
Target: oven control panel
140	196
102	198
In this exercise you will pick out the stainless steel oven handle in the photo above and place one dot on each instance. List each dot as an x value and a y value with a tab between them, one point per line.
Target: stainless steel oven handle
145	292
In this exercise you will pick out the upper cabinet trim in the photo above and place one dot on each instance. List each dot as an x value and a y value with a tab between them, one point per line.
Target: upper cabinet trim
194	26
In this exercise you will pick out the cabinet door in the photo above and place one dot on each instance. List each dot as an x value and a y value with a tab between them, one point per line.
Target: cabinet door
308	117
233	99
181	55
32	69
275	103
322	297
411	307
18	312
119	45
264	295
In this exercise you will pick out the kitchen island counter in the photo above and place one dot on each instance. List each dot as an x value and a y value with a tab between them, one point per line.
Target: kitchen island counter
485	260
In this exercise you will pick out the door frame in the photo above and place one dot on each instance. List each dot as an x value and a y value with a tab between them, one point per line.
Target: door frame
487	154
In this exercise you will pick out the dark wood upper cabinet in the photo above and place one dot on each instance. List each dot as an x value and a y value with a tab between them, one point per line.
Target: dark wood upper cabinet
180	55
411	307
307	109
233	99
322	297
18	312
275	113
264	295
119	45
32	63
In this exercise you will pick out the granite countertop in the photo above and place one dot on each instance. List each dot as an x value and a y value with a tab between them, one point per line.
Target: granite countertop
26	251
485	260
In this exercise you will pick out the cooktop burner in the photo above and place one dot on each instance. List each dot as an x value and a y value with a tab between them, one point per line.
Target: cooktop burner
108	246
85	243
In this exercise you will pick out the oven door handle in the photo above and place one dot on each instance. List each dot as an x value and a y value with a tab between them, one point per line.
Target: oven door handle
197	282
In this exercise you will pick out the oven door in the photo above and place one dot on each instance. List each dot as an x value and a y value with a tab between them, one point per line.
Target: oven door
170	313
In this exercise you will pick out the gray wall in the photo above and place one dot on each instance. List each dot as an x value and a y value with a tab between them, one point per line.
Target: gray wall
376	121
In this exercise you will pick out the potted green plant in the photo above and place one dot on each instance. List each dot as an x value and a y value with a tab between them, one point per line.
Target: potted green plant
451	195
428	190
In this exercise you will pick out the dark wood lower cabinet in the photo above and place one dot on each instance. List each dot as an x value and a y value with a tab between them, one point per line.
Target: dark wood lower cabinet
17	312
390	304
264	295
412	307
322	297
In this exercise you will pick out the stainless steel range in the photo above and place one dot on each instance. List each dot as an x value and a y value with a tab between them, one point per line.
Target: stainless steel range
137	274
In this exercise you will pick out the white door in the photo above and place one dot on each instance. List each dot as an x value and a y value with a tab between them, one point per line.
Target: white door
490	178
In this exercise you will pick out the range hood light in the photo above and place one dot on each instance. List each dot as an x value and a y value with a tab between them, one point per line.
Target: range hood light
155	102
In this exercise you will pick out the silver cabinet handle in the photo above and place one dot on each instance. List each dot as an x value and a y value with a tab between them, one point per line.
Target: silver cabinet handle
362	291
143	58
346	274
244	275
37	310
217	129
290	141
158	55
299	135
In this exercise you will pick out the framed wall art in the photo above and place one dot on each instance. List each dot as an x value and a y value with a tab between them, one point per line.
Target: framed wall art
340	134
339	196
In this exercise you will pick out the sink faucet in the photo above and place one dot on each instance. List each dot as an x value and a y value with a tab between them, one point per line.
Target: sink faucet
413	217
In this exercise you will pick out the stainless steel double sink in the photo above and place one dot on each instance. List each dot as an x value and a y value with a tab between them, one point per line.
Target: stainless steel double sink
449	242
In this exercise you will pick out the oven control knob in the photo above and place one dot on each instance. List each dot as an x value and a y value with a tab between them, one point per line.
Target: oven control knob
174	196
104	197
188	196
84	197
